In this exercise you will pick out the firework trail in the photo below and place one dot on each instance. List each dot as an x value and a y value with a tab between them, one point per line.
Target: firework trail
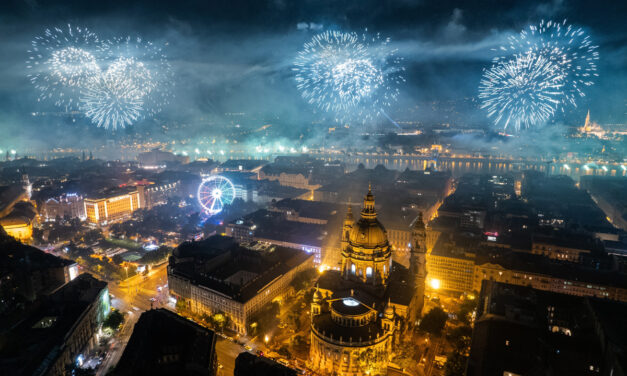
347	75
523	92
61	62
569	47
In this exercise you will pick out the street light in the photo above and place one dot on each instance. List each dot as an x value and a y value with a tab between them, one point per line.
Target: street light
266	339
435	283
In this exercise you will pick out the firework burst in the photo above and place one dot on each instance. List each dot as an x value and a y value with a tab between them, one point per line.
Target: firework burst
348	75
114	100
523	92
564	45
61	62
148	66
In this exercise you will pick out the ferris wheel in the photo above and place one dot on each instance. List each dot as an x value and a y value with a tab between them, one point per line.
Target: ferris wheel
214	193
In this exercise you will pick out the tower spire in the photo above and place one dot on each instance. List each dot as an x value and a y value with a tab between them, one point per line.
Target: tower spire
368	210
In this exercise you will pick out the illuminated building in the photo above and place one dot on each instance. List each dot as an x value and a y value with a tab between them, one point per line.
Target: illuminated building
17	213
459	270
359	312
157	194
219	276
21	228
111	208
591	128
66	206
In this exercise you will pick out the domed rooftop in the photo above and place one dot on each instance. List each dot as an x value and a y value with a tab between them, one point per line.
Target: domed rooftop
368	232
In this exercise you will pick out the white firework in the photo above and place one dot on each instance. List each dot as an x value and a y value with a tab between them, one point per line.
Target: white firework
565	45
61	62
348	75
113	100
522	92
155	72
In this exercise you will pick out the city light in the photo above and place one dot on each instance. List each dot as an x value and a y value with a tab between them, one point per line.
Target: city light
435	283
266	338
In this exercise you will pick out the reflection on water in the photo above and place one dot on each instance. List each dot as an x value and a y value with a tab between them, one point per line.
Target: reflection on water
462	165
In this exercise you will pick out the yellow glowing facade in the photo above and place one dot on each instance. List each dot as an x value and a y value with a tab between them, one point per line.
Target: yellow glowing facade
348	336
103	211
20	230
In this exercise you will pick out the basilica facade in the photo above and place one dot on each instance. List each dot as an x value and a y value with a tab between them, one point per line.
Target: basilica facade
359	312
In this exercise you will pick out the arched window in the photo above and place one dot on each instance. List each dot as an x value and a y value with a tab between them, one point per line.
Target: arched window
369	272
353	268
384	267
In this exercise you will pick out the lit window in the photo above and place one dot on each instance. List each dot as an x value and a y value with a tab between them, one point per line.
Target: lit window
353	268
369	272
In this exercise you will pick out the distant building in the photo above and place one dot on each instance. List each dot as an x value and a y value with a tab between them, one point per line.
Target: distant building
523	331
247	364
218	275
17	213
242	165
164	343
157	194
65	206
156	158
52	337
570	247
460	268
111	207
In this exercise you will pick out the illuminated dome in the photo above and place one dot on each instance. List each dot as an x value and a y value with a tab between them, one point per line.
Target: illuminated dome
368	233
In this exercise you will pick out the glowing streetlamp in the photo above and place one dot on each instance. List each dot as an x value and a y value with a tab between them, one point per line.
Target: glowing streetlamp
266	339
435	283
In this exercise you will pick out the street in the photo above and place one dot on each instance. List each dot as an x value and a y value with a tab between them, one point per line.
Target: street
132	297
227	351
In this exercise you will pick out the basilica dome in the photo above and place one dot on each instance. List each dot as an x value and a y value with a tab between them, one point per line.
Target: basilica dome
368	233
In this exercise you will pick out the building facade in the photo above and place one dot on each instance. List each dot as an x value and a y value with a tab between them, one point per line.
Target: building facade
111	208
236	281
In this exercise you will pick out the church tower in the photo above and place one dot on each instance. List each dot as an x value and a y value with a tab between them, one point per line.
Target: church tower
418	262
366	252
587	127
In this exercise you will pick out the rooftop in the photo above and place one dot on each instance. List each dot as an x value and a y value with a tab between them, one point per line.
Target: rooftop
212	261
164	343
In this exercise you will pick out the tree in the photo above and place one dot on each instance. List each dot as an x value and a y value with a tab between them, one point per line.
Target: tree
466	309
303	279
265	319
455	365
433	322
460	338
114	320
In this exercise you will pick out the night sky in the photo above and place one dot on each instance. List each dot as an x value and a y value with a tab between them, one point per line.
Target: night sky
236	56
